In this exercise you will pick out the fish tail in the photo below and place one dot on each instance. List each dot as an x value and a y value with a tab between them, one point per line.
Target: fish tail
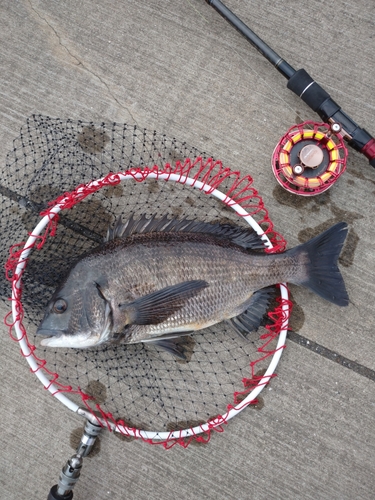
323	275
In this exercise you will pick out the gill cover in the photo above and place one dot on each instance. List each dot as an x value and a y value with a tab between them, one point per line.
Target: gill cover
81	317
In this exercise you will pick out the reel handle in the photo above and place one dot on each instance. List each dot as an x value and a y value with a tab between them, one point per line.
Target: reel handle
321	102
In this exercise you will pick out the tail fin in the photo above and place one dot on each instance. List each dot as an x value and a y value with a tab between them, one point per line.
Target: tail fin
323	275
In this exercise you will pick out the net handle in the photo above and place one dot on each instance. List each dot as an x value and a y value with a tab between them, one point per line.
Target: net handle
55	391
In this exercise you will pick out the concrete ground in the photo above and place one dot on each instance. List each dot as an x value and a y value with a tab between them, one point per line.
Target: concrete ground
177	67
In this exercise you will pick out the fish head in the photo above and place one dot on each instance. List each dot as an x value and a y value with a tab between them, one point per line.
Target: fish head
76	316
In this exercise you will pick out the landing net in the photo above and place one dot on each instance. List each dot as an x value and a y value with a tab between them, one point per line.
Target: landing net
65	183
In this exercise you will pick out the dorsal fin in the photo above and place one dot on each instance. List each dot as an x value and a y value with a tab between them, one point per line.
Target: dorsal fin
244	237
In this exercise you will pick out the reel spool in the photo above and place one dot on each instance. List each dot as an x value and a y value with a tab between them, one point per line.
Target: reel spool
309	158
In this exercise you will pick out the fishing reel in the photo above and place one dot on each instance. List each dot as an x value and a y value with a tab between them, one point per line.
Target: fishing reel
309	158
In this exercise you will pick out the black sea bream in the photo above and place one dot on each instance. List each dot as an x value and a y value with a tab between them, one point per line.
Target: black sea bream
154	280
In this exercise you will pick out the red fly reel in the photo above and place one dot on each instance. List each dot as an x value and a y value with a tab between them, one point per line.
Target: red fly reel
309	158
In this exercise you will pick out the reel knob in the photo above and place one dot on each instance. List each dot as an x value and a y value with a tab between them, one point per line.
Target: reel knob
309	158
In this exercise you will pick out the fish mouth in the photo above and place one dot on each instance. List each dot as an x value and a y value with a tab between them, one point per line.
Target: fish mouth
78	341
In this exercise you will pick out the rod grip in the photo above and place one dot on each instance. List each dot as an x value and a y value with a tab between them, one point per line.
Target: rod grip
302	84
310	92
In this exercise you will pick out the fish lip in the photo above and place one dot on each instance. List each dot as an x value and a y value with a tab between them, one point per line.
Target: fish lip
60	338
71	341
51	336
47	341
47	332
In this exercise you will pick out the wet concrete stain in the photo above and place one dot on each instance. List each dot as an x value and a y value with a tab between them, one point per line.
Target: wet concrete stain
92	140
297	317
94	214
123	437
177	211
295	201
174	156
44	194
314	204
346	258
359	175
344	214
113	191
35	201
75	439
153	186
190	201
27	218
258	402
96	390
225	220
223	207
310	232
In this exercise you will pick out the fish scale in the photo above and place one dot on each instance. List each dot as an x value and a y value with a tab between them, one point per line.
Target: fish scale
171	261
145	264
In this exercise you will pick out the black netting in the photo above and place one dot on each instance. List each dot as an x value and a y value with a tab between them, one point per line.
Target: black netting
146	387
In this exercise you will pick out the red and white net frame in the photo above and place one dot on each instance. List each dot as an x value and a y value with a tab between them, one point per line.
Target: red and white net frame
207	176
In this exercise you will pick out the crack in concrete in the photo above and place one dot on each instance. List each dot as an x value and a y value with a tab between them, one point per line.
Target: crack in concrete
80	63
332	355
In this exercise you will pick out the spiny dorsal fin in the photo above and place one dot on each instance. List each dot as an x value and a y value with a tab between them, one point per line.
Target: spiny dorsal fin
244	237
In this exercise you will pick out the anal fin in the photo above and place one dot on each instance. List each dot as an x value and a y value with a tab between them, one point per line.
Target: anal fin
173	346
250	320
174	343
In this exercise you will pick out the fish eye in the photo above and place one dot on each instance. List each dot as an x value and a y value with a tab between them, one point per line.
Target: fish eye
60	306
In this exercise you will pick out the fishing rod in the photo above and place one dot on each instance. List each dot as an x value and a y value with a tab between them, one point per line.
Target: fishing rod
311	156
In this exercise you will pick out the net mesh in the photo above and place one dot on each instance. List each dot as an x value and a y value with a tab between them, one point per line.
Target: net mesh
134	386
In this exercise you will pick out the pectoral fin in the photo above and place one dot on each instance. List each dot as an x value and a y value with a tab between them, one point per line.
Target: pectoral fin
158	306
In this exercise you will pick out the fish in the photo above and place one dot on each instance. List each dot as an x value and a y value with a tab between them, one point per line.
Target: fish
155	280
